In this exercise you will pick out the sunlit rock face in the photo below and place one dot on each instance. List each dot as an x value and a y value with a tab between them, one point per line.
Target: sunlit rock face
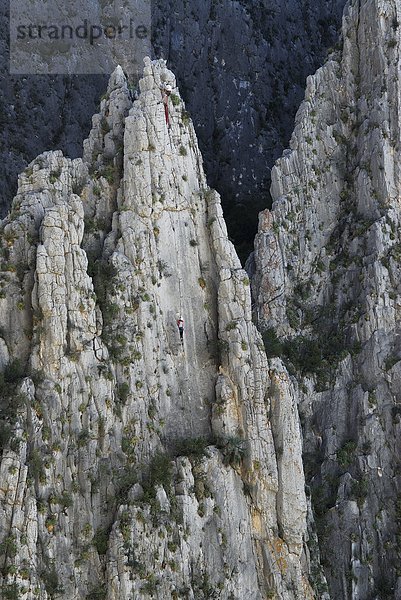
135	465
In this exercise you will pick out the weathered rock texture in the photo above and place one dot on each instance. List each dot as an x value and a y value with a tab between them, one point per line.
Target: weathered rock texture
326	287
134	466
242	69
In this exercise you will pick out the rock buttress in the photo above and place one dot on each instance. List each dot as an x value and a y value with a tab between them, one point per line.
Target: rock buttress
134	465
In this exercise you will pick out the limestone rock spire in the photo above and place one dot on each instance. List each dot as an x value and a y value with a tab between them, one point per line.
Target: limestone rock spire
138	465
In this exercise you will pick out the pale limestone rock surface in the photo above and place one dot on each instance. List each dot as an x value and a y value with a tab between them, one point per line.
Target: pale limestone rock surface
137	466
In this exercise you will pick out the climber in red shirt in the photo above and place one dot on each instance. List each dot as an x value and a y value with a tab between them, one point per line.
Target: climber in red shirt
180	325
166	91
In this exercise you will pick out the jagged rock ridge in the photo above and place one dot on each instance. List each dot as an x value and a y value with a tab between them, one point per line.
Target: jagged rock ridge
237	65
133	466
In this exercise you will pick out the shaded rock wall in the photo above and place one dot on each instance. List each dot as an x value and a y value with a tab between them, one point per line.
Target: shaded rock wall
326	290
242	72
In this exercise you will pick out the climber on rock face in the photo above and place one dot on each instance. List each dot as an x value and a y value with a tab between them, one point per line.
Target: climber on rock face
166	91
180	325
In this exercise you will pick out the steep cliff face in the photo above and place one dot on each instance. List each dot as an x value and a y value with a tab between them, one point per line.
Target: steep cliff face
327	296
237	63
134	466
